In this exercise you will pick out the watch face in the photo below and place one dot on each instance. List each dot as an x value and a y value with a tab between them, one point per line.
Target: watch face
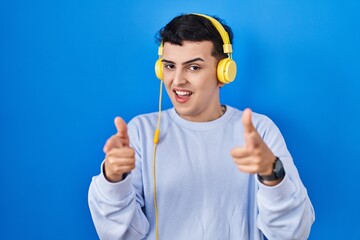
279	169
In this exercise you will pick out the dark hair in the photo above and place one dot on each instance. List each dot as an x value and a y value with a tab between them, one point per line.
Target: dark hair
191	27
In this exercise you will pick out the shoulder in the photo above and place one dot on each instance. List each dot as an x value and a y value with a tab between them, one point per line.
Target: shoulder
148	121
143	118
261	122
258	119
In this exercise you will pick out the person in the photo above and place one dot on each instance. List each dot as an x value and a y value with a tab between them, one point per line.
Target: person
213	171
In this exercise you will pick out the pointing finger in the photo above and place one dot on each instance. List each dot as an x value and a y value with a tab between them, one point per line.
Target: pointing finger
114	142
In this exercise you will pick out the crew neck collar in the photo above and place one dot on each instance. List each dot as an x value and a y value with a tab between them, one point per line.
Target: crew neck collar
202	125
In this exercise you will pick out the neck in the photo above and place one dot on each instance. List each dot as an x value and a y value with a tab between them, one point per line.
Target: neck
216	113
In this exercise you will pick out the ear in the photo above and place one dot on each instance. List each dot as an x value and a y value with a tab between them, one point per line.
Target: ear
220	84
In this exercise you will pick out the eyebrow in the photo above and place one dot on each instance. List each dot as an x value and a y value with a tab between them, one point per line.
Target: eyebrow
187	62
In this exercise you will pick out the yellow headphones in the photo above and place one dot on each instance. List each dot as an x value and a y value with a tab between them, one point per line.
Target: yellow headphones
226	69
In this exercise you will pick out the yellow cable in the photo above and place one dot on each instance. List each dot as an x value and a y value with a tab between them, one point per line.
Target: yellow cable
156	140
155	203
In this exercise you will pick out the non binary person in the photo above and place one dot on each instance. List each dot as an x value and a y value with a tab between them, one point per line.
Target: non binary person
212	171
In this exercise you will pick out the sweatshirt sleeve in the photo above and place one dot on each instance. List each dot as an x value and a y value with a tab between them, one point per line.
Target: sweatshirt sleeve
115	209
285	210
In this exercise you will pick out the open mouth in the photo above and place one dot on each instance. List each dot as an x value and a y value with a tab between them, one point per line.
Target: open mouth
183	93
182	96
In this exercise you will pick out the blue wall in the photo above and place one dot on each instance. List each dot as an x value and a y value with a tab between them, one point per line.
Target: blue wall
67	68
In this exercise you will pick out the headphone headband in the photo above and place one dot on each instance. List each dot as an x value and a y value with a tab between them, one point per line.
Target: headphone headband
223	33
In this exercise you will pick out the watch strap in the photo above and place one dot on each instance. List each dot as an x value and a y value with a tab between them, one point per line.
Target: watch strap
273	176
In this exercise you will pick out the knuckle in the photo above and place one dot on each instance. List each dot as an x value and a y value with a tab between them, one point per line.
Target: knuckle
118	169
257	160
110	160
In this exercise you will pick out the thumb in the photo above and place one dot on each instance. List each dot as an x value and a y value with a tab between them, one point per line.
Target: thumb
121	128
120	138
247	122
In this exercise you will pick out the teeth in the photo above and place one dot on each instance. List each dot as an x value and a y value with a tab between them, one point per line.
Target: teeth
183	93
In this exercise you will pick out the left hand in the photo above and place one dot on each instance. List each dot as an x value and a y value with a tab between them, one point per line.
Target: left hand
255	156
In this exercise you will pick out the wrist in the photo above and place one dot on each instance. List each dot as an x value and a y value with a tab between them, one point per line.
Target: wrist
113	178
276	175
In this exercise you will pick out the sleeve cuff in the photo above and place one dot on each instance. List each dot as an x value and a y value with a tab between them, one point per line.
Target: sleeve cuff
113	191
278	193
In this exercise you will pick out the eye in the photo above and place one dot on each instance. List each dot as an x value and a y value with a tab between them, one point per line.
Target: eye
169	65
194	68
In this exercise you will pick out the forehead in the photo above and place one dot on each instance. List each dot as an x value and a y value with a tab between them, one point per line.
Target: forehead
188	50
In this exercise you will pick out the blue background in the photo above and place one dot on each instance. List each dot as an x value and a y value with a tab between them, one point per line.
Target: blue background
67	68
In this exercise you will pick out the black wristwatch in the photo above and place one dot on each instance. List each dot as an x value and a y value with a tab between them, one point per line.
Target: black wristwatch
278	172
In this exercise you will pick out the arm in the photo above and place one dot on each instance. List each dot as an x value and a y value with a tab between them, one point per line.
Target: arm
115	209
285	211
114	202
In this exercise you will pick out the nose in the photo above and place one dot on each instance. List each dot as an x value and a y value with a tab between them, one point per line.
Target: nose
179	77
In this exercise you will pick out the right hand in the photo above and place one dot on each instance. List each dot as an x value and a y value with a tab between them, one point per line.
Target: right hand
120	157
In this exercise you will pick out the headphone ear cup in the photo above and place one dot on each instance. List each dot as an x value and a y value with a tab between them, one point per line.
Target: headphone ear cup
159	69
226	70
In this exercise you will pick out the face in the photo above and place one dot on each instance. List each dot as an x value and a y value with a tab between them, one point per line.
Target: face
190	80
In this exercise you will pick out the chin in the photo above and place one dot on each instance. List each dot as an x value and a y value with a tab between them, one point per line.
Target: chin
183	111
